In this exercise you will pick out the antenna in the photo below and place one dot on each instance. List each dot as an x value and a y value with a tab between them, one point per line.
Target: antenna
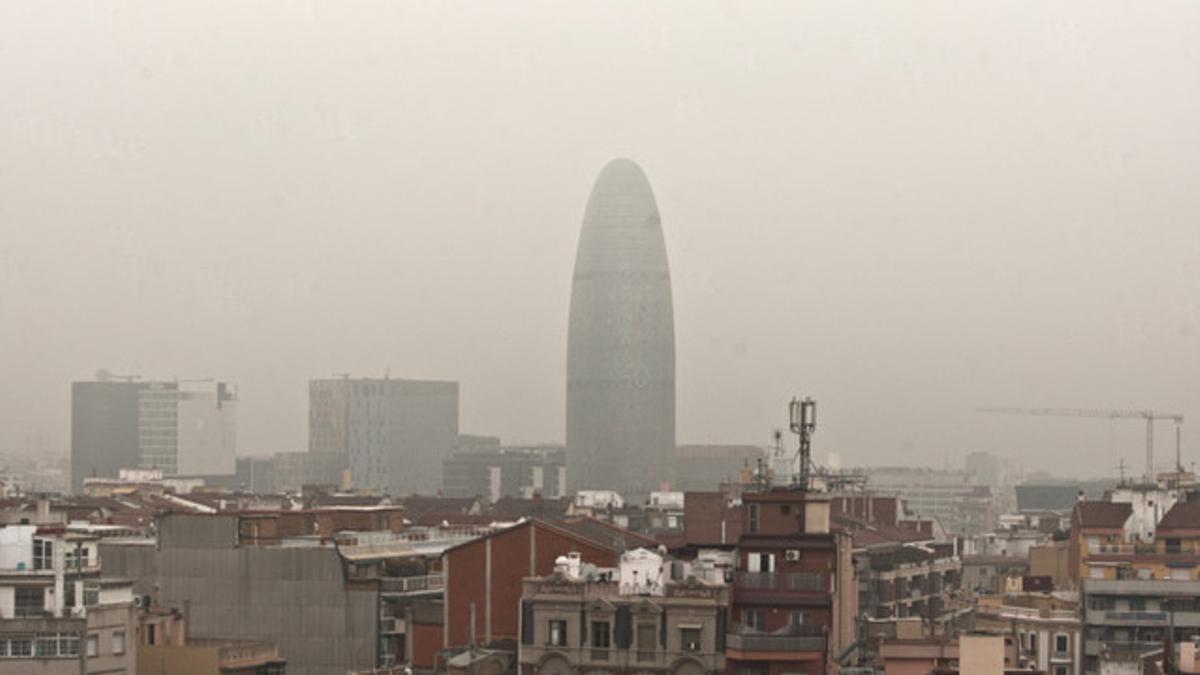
802	416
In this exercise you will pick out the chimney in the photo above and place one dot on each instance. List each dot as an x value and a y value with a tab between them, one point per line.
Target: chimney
816	513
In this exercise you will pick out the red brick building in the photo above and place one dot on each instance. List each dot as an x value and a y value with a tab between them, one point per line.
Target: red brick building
710	519
794	597
484	575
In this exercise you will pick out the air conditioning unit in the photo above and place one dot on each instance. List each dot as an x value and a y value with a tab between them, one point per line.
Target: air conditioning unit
139	601
792	555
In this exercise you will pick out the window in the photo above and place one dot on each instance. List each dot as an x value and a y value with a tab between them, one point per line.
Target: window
1033	647
43	554
785	509
752	512
1061	670
647	636
601	640
77	558
1137	604
50	645
1172	545
1061	643
118	641
760	562
30	601
91	594
797	618
689	639
753	619
601	634
93	646
558	633
19	647
150	634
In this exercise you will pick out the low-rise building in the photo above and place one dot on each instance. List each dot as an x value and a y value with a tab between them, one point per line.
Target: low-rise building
57	613
1047	629
636	618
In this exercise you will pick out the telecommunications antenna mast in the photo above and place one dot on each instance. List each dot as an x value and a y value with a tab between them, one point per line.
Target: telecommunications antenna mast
803	419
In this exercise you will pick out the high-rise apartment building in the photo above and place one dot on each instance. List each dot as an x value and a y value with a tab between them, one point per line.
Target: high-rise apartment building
393	434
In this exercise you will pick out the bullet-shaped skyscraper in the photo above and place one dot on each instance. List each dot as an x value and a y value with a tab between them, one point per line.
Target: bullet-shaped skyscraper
621	341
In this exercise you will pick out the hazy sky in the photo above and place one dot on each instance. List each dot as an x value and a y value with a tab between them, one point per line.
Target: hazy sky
904	210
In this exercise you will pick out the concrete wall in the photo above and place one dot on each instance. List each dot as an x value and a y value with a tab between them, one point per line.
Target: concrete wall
103	622
68	666
295	598
160	660
981	654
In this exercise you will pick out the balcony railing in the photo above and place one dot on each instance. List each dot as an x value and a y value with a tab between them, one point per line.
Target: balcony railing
625	659
417	584
800	637
778	581
1127	648
1120	549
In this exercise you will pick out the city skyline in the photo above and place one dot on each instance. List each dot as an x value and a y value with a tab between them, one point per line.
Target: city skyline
901	234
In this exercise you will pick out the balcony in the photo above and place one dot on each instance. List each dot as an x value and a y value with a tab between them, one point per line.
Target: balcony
391	625
615	659
429	583
1096	647
1145	587
778	581
790	639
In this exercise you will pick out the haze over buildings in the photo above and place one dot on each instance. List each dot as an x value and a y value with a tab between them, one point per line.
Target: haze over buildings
906	211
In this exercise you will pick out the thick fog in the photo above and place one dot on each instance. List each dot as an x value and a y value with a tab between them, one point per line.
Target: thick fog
903	210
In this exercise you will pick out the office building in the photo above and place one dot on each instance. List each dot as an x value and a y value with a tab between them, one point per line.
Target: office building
621	341
177	427
104	429
188	428
499	472
393	434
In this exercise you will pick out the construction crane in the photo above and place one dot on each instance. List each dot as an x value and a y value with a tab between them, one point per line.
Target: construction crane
1149	415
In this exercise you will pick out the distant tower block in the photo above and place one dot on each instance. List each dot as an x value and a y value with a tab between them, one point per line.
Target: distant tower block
621	341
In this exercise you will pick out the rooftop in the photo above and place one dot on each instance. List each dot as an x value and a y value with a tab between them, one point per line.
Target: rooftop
1108	515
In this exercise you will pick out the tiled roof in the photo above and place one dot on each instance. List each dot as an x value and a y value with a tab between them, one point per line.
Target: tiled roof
1182	516
1111	515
